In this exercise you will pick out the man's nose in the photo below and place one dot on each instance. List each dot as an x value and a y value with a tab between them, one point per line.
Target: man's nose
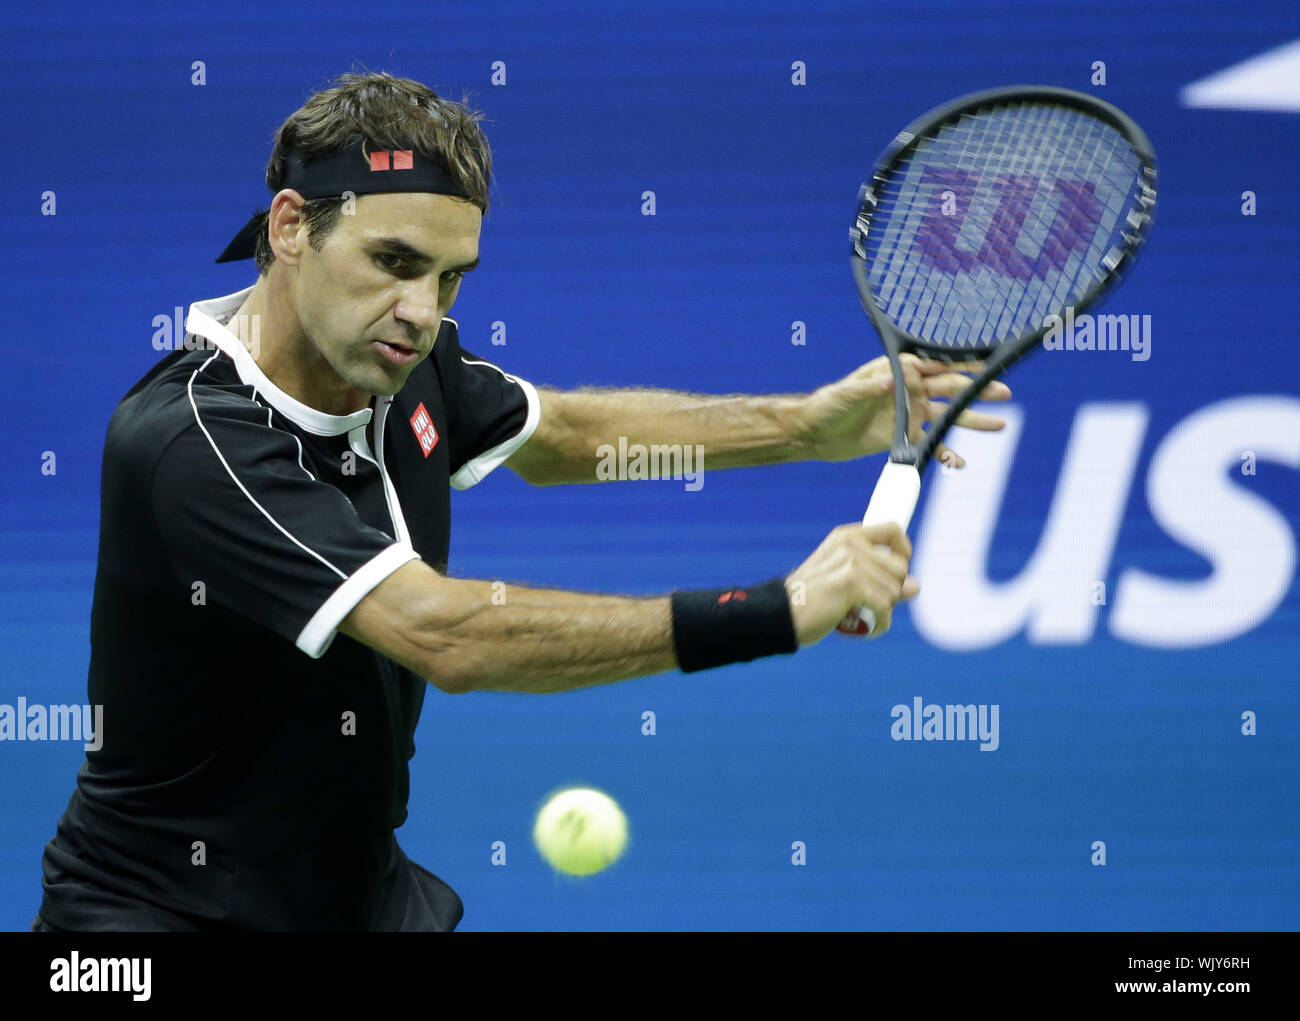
419	317
420	312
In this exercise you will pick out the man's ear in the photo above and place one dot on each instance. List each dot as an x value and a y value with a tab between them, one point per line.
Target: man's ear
287	227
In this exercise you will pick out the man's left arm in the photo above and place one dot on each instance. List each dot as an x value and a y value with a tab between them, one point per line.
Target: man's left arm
849	418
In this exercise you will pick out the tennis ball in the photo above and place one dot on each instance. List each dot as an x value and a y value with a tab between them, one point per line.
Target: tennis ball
580	831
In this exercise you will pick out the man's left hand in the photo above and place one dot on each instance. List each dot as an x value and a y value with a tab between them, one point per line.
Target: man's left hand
854	416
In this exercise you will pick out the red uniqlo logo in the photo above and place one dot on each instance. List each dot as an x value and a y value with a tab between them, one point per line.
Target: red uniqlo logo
398	159
736	593
422	426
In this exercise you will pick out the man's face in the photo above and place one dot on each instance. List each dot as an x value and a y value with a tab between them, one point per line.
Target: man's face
371	300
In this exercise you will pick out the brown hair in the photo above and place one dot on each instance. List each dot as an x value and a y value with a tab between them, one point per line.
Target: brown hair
391	112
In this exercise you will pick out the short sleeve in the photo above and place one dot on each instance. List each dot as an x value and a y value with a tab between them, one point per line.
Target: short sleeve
236	510
490	415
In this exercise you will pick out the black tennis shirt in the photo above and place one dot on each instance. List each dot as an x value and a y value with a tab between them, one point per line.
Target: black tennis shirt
254	761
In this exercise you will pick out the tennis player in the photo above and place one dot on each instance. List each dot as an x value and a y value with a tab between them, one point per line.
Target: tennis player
271	600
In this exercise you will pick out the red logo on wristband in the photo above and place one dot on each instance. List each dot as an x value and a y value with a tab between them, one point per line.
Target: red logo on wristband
736	593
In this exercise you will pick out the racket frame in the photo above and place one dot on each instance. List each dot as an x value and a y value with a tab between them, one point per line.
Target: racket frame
998	357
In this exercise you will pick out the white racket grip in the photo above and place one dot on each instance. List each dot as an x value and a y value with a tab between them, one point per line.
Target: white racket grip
894	499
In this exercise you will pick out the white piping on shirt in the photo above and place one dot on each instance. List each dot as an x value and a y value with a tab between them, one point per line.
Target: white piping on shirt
265	513
269	412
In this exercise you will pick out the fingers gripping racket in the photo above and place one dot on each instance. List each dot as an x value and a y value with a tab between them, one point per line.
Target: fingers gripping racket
982	223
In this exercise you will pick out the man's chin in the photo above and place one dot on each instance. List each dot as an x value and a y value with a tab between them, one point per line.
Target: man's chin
387	387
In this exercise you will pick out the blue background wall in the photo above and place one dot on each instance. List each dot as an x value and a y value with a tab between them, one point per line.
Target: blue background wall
1114	734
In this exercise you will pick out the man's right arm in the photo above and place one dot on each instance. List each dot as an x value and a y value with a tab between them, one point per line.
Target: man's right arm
467	635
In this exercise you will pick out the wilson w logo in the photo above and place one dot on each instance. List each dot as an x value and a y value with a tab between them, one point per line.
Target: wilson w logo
1078	214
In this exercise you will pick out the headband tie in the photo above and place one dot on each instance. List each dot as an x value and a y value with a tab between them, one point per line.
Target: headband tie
359	169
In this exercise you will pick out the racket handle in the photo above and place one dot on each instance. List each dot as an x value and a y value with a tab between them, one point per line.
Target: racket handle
894	499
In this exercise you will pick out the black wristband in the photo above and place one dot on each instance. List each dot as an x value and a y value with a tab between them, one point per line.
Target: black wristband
714	627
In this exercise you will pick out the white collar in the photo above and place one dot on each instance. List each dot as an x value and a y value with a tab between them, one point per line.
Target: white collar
208	318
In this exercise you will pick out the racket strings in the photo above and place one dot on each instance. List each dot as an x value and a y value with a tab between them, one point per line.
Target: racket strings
997	220
997	250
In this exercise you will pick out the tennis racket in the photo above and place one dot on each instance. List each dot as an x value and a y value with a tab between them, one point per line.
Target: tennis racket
982	221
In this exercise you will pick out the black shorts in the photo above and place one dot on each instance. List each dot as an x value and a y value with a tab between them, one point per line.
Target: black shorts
416	901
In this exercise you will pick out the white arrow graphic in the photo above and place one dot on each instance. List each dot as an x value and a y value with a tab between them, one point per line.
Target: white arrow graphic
1270	81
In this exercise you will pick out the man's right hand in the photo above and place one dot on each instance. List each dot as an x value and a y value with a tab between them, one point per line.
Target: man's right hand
854	566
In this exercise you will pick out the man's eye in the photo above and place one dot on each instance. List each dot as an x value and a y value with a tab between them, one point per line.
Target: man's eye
390	261
452	276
